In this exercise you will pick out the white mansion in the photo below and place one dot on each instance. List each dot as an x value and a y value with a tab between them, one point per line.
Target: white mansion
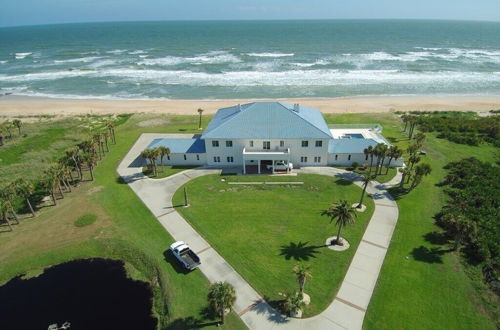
261	133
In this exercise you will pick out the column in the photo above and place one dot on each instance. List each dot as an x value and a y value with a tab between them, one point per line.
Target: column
258	167
244	165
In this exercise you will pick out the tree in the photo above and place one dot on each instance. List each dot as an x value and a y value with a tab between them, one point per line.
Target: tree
8	194
74	155
406	172
111	129
344	213
221	296
25	189
366	180
17	123
4	212
1	138
421	170
369	152
394	153
49	183
200	111
8	127
163	151
302	273
405	120
90	159
419	139
459	226
147	154
105	134
380	151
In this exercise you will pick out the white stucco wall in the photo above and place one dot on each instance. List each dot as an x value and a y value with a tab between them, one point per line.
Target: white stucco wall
295	145
177	159
360	158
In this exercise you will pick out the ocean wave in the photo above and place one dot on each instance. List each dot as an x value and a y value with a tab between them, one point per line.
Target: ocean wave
78	60
3	62
137	52
270	54
20	56
308	65
214	57
116	51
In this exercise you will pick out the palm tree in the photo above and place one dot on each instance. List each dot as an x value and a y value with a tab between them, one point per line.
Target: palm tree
344	213
164	151
8	194
366	180
419	139
73	154
111	129
369	152
1	138
25	189
421	170
406	172
105	134
90	159
4	212
146	154
394	153
405	120
49	183
17	123
382	152
221	296
8	126
200	111
302	273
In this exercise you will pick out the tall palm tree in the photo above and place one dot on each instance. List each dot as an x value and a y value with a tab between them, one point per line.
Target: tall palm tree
25	189
111	129
105	135
221	296
4	212
146	154
369	152
366	180
302	273
17	123
155	153
90	159
49	183
419	139
394	153
73	154
164	151
405	120
406	173
344	213
421	170
200	111
382	153
8	194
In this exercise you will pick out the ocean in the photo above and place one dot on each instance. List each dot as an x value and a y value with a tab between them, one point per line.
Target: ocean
251	59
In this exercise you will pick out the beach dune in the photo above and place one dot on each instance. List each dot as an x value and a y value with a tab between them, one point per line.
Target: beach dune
12	106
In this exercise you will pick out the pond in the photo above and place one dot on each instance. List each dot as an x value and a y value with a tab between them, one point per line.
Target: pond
88	293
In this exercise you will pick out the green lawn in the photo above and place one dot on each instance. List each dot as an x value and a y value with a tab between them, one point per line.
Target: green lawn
263	230
164	171
386	176
124	229
430	289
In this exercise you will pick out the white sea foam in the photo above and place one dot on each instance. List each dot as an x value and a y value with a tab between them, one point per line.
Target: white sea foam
116	51
214	57
137	52
3	62
270	54
20	56
78	60
308	65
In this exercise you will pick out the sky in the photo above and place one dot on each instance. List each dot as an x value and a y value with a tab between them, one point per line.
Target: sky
32	12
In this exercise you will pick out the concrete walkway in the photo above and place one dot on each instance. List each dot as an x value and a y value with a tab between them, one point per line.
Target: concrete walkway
348	308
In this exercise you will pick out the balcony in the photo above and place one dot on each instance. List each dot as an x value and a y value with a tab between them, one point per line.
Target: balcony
269	152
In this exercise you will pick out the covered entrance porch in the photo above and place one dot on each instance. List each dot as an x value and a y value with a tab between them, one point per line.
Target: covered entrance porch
264	161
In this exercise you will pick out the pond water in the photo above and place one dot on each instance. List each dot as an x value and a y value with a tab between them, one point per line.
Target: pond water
88	293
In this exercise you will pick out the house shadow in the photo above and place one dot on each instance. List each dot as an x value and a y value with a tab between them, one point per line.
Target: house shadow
430	256
299	251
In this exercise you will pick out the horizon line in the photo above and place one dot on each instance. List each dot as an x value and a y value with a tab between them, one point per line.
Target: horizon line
257	20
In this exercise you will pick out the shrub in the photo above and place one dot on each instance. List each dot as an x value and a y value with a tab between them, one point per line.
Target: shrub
85	220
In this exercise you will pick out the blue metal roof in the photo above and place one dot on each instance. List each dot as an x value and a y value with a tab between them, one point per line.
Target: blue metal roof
180	146
347	146
267	120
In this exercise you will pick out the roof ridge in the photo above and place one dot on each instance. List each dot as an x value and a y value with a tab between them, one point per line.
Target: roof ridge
307	121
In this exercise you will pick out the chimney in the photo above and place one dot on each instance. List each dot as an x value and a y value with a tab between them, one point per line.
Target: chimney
296	107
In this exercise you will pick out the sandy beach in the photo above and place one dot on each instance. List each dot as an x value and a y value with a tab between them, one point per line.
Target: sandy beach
14	106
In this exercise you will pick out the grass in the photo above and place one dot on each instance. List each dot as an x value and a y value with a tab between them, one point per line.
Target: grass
422	286
124	229
164	171
85	220
263	230
381	178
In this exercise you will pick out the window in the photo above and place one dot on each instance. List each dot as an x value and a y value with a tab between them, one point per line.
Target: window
216	159
349	157
230	159
168	157
305	143
319	143
303	159
336	157
229	144
215	143
317	159
282	144
266	145
251	144
366	158
185	157
197	157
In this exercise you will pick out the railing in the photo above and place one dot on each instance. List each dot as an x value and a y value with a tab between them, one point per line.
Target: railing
375	127
274	150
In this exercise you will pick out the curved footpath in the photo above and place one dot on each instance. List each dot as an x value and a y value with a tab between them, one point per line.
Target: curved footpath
348	308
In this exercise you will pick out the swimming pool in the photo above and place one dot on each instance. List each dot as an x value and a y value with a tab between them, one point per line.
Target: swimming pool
354	136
